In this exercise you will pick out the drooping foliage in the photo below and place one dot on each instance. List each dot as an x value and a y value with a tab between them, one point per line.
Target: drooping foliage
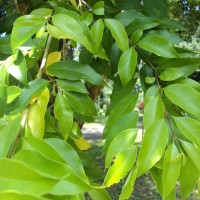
45	97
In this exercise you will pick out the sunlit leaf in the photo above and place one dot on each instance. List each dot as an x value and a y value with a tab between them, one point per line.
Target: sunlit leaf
82	143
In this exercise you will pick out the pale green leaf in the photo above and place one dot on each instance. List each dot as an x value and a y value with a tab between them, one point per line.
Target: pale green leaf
135	37
127	65
64	115
171	169
99	194
118	32
98	8
24	27
13	92
127	136
42	12
121	166
185	97
153	146
171	74
159	46
190	129
87	17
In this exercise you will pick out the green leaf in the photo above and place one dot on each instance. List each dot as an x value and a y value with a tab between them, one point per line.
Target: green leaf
171	169
8	132
98	8
127	121
25	27
171	74
124	106
35	88
135	37
16	176
190	129
42	12
129	185
99	194
127	16
3	100
55	32
87	17
13	92
193	152
72	86
97	33
81	103
64	114
153	110
181	94
127	65
142	23
153	146
159	46
150	80
156	174
11	195
118	32
69	155
5	47
189	176
127	136
122	165
74	71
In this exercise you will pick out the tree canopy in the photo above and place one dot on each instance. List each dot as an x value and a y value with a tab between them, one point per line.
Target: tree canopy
47	93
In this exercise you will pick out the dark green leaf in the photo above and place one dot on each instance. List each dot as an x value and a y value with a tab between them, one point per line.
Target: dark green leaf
5	47
73	70
159	46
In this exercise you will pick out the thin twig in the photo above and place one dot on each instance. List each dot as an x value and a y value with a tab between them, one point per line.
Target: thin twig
44	59
64	52
17	6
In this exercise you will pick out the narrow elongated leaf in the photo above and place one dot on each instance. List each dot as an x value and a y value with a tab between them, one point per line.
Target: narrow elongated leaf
73	70
8	132
118	32
77	100
181	94
171	169
128	137
153	110
3	100
97	33
11	195
193	152
190	129
153	146
17	176
127	65
159	46
122	165
34	89
69	155
72	86
189	176
24	27
64	115
142	23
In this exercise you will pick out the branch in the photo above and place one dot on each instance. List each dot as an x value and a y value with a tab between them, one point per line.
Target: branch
17	6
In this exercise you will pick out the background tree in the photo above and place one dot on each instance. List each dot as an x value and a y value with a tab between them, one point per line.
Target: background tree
44	96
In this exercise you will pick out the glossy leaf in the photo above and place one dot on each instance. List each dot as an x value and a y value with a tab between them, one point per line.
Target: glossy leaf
24	27
190	129
72	86
34	89
77	100
171	169
13	92
153	110
171	74
98	8
127	65
127	136
73	70
129	185
8	130
53	57
118	32
181	94
159	46
17	176
153	146
121	166
189	176
64	115
193	152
